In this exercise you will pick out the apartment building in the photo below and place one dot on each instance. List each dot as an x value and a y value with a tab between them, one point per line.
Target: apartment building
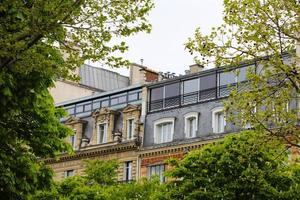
107	125
145	124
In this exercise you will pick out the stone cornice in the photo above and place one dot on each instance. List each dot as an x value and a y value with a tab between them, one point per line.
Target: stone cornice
102	111
176	148
95	150
74	120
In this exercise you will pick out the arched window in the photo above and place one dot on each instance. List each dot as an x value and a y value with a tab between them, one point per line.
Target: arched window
163	130
218	120
191	124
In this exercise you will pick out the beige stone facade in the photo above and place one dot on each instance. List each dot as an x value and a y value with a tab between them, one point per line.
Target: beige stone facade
65	91
118	147
122	152
107	117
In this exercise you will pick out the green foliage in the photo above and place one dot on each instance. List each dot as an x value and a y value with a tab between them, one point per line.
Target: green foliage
243	166
95	184
41	41
101	172
29	128
252	30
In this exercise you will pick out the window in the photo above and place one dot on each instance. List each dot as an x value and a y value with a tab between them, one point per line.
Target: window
132	96
172	93
218	120
157	170
227	78
102	133
114	101
172	90
191	124
208	86
130	129
87	107
157	93
127	171
70	110
118	99
79	109
104	103
69	173
226	82
96	104
73	140
190	91
163	130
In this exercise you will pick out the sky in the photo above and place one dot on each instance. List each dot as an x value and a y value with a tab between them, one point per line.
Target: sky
173	22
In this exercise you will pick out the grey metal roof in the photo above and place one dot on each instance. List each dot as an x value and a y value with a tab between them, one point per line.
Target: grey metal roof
101	78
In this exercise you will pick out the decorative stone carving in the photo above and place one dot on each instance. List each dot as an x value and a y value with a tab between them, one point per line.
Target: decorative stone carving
78	125
103	116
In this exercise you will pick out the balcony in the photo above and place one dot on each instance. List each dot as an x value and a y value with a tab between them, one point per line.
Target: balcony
201	96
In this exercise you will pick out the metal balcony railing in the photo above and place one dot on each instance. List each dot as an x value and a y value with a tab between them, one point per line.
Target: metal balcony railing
195	97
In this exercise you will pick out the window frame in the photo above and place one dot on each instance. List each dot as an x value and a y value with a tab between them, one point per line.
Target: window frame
132	128
128	176
215	126
161	176
186	127
67	175
98	133
160	122
71	137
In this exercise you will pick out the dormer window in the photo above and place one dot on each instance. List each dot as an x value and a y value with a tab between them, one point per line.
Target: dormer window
73	139
191	124
102	133
130	129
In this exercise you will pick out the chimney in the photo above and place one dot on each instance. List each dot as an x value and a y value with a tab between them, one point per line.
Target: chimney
195	68
140	74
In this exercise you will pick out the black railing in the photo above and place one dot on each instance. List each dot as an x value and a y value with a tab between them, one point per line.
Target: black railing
196	97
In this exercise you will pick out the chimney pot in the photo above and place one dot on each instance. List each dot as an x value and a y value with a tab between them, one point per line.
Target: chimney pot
187	72
195	68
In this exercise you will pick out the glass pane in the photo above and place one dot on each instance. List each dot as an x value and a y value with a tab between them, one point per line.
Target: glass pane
190	86
104	103
172	90
242	75
70	111
227	78
208	82
157	93
122	99
132	97
114	101
96	105
87	107
79	109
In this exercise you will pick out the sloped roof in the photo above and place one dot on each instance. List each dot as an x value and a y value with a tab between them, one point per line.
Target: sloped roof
101	78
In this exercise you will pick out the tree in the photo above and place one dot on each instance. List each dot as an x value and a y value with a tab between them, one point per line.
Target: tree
247	165
40	42
93	185
263	32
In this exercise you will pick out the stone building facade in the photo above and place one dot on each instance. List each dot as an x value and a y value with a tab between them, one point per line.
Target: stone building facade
143	126
106	126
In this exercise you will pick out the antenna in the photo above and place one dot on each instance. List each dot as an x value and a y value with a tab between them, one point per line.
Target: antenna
142	61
